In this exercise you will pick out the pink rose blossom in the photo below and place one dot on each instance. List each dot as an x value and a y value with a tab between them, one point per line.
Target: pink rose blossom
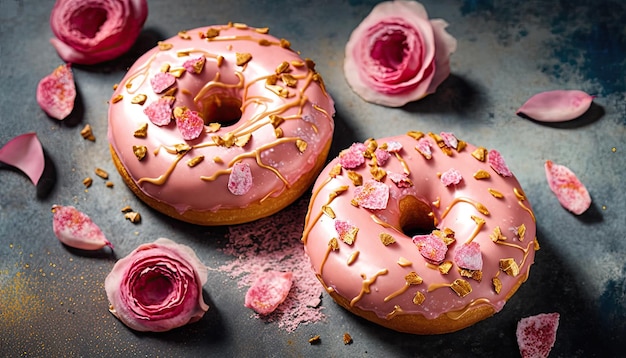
92	31
157	287
397	55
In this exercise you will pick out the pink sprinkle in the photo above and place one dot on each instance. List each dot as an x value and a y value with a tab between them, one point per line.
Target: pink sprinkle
449	139
268	291
382	156
401	180
570	192
497	163
190	124
468	256
432	248
56	92
352	157
160	112
394	146
194	65
162	81
423	146
240	179
536	335
451	176
372	195
346	231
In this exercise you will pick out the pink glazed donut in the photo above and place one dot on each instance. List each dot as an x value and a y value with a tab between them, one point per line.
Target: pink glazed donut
220	125
420	233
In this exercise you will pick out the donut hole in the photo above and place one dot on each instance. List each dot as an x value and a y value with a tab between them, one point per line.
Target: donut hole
415	217
223	108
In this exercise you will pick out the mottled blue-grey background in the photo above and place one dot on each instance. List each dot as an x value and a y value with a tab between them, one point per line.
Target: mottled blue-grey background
52	301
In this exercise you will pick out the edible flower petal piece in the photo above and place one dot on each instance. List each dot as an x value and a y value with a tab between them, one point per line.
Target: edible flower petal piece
89	32
268	291
25	153
432	248
189	123
450	140
400	179
468	256
450	177
162	81
157	287
195	65
240	179
75	229
556	106
372	195
394	146
347	232
382	156
496	161
352	157
56	92
536	335
160	111
571	193
397	55
424	147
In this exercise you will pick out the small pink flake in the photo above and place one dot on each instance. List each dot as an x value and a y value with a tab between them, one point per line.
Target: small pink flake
382	156
394	146
56	92
450	139
536	335
372	195
570	192
346	231
400	179
240	179
451	176
25	153
352	157
268	291
190	124
497	163
162	81
424	147
432	248
75	229
160	112
195	65
468	256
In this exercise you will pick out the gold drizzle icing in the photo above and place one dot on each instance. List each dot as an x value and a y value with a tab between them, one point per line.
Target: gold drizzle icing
367	282
410	280
333	194
521	197
480	207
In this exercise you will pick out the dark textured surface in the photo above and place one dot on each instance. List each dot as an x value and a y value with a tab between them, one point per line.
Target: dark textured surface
52	300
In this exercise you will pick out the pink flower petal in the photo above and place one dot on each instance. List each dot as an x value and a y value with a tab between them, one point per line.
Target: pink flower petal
424	147
450	140
496	161
432	248
450	177
382	156
160	111
556	106
25	153
352	157
468	256
372	195
190	124
400	179
570	192
89	32
195	65
157	287
391	57
75	229
268	291
347	232
536	335
240	179
394	146
56	92
162	81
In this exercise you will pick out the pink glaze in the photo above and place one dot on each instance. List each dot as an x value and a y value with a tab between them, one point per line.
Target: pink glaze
348	269
276	160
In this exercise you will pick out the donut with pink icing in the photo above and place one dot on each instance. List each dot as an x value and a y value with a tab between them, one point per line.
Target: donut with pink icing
421	233
220	125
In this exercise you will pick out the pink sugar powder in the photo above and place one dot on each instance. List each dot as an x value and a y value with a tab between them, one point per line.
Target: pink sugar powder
274	243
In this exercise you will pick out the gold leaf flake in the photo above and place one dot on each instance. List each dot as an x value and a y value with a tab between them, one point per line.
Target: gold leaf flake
461	287
509	266
417	135
184	35
335	171
386	239
276	120
133	217
329	211
212	32
87	133
412	278
195	161
444	267
521	231
283	67
117	98
419	298
378	173
289	80
480	153
142	132
334	244
262	30
497	235
241	141
285	43
482	174
139	99
356	178
403	262
497	284
164	46
496	194
301	145
214	127
242	58
140	151
165	67
182	148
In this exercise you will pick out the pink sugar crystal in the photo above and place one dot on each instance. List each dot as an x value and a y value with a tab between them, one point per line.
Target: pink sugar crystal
372	195
432	248
424	147
240	179
400	179
451	176
162	81
352	157
394	146
497	163
190	124
382	156
450	140
160	111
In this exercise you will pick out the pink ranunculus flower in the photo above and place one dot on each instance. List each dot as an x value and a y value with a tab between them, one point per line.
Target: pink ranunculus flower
397	55
92	31
157	287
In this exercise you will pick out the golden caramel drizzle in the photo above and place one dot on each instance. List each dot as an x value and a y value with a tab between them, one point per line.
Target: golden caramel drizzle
521	197
455	315
386	225
333	245
405	166
480	207
331	197
397	310
479	225
367	282
163	177
403	289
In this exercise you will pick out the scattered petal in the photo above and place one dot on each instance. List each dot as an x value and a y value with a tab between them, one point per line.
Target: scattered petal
556	106
468	256
240	179
268	291
497	163
75	229
56	92
536	334
347	232
195	65
451	176
372	195
570	192
160	111
432	248
400	179
352	157
25	153
162	81
189	123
